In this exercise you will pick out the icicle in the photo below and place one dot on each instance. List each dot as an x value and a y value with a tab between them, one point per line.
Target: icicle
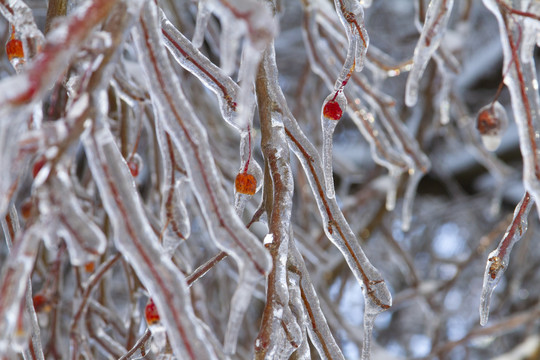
491	123
499	258
408	200
226	229
332	110
437	16
369	320
203	16
351	15
240	18
199	65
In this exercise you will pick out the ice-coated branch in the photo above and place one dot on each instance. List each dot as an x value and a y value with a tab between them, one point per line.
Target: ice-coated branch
437	16
280	333
499	258
14	281
314	319
60	46
376	294
188	135
522	83
138	243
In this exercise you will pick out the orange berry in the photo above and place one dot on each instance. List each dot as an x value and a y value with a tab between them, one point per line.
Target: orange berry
332	110
89	267
245	184
14	49
151	314
486	121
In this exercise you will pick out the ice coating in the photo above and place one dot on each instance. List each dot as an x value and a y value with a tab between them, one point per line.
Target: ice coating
26	35
377	295
351	15
227	91
390	142
138	243
499	258
433	31
314	320
332	110
174	217
199	65
60	47
203	16
280	333
13	281
85	240
227	230
491	123
522	83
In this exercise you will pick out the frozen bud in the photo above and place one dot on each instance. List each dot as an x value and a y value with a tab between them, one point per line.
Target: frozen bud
245	183
135	165
491	123
151	314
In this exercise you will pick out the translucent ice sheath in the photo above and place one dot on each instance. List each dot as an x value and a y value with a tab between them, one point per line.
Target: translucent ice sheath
188	135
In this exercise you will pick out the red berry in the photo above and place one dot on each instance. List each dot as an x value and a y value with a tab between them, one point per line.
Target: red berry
332	110
41	303
38	165
134	168
487	122
245	184
150	313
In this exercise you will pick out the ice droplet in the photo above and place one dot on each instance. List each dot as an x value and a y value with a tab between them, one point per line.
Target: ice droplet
491	122
331	112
